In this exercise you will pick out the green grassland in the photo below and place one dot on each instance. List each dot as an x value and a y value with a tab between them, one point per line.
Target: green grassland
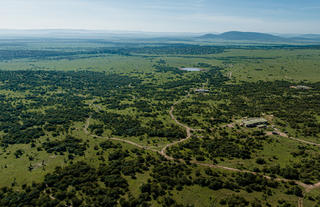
89	119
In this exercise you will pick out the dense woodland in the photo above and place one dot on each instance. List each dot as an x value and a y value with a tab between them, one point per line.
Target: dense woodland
127	49
179	49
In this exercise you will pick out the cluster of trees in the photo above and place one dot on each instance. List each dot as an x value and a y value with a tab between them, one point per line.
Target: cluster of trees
126	125
46	54
214	77
156	128
224	144
70	144
19	136
84	179
161	68
306	170
121	125
105	145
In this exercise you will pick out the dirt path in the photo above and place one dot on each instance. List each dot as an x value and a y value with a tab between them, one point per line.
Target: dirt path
300	202
282	134
86	126
188	131
163	151
311	187
304	141
189	134
303	185
133	143
306	187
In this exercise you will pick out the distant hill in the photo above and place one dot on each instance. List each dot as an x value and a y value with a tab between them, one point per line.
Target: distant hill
310	36
250	36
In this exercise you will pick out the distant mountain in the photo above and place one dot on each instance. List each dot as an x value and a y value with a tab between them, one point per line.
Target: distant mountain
250	36
310	36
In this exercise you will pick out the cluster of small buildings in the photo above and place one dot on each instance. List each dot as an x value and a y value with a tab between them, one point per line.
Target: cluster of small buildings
301	87
200	90
255	122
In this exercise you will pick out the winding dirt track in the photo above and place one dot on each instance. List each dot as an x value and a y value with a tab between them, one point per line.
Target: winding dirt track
300	202
307	187
188	130
86	126
304	141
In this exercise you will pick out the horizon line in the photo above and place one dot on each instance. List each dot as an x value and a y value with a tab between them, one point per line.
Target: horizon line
142	31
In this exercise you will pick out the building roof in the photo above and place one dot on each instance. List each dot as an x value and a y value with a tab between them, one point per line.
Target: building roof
202	90
301	87
253	121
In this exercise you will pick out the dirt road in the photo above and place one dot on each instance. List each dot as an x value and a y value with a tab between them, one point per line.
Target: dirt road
86	126
307	187
188	131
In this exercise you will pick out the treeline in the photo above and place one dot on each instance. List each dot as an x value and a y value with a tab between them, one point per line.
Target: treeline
46	54
165	68
179	49
129	49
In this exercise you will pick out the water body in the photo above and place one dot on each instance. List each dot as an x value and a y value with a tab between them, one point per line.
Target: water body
191	69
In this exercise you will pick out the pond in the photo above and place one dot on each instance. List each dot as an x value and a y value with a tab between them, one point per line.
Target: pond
191	69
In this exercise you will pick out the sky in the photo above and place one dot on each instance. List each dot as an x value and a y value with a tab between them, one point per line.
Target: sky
197	16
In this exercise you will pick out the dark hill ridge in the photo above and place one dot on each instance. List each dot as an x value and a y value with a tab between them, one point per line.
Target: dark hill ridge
235	35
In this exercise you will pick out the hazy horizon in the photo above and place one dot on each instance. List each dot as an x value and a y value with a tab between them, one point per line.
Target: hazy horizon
102	31
183	16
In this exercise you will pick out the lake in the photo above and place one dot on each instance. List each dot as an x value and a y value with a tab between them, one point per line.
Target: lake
191	69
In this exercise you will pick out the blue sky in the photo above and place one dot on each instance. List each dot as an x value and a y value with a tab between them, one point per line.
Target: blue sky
275	16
